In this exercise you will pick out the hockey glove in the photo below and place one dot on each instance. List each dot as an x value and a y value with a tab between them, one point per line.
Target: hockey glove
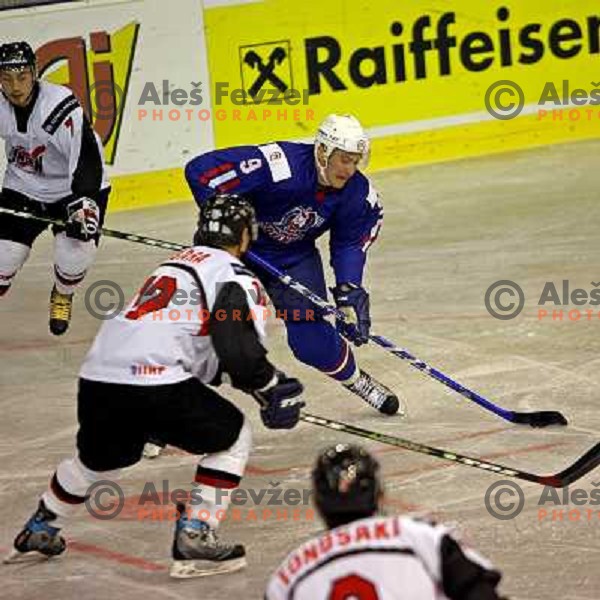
83	219
353	301
280	402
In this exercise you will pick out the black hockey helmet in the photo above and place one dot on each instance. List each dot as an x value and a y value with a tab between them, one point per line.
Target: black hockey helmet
223	218
346	484
16	56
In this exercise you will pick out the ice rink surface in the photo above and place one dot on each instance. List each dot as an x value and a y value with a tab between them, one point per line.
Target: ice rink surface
450	231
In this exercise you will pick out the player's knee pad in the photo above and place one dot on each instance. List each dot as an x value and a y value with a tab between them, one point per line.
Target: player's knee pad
72	258
12	257
74	478
234	459
71	486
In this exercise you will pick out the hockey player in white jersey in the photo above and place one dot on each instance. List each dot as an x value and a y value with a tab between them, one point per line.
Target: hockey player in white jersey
55	169
198	317
365	556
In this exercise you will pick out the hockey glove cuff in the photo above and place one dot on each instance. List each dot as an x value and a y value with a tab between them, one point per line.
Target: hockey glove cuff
280	402
83	219
353	301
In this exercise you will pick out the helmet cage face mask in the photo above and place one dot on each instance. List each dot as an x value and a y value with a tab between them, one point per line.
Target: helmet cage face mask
223	218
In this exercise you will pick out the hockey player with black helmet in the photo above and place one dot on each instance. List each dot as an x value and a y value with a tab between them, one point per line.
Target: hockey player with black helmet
364	554
55	169
151	372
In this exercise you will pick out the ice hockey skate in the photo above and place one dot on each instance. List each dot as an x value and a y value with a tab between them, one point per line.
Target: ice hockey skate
60	311
197	551
38	539
377	395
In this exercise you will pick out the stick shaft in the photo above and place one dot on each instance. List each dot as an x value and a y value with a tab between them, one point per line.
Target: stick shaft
583	465
384	343
129	237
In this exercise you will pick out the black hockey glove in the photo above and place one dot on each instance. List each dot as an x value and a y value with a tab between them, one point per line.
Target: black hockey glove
83	218
280	402
353	301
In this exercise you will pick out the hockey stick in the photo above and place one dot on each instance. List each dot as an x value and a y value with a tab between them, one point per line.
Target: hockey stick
535	419
582	466
129	237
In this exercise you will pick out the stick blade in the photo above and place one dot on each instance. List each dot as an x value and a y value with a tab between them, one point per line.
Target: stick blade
542	418
581	467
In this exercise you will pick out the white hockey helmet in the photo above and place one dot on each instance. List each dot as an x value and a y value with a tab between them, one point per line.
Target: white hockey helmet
343	132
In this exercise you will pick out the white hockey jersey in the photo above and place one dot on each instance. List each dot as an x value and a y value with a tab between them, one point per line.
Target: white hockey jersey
162	336
55	153
385	558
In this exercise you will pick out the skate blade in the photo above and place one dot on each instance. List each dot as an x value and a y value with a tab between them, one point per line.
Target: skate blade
18	558
184	569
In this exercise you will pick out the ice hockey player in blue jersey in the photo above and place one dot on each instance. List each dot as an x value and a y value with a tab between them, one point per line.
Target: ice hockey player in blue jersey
299	191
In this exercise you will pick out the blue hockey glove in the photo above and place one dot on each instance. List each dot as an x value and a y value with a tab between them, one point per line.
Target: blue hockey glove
280	402
353	301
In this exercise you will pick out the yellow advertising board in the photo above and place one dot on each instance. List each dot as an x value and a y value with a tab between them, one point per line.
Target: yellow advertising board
428	79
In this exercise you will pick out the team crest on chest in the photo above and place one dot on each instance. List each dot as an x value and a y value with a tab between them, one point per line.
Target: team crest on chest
27	161
294	225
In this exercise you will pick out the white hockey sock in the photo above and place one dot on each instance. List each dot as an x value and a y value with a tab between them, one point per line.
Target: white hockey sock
209	504
69	487
217	476
12	257
72	259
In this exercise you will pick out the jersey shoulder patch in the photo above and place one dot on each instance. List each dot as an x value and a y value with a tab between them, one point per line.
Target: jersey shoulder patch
59	103
277	161
242	270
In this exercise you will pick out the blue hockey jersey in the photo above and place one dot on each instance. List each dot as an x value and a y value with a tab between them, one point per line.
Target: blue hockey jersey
280	179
